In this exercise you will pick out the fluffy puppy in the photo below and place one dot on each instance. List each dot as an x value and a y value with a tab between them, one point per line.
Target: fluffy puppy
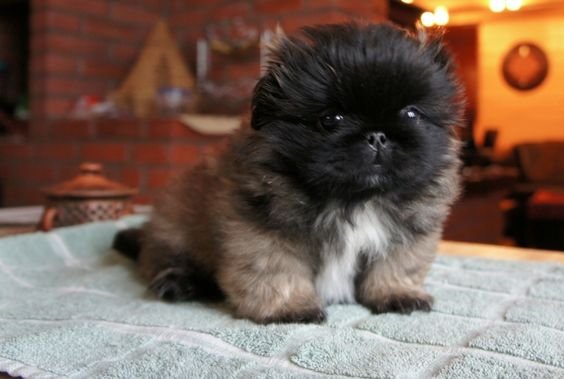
337	193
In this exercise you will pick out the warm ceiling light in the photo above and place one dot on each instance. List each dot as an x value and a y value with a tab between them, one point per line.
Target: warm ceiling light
497	5
428	19
407	1
441	15
514	5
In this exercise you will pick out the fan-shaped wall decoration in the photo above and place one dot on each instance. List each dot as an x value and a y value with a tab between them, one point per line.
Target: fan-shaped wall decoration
160	65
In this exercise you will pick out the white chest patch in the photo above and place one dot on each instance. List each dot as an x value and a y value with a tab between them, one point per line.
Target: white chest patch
368	233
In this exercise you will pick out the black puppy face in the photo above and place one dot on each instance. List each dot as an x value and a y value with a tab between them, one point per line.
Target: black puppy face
356	110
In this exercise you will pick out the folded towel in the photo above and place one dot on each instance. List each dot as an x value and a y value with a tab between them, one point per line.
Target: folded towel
72	307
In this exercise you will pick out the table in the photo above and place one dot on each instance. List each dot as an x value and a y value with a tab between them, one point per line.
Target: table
499	252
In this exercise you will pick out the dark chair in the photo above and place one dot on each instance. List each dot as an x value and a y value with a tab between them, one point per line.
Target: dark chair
532	217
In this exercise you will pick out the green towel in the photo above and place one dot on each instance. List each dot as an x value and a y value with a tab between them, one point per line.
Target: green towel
72	307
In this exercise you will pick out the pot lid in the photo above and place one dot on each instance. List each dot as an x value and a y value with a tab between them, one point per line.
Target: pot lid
90	183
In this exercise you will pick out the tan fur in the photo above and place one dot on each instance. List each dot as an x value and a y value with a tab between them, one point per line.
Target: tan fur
397	277
265	278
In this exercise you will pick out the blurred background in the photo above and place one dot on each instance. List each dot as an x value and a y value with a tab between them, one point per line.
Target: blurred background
145	87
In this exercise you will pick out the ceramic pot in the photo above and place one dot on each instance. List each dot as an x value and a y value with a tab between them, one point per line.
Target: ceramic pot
90	196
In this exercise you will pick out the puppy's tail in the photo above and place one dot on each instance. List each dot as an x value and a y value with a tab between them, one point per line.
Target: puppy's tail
128	242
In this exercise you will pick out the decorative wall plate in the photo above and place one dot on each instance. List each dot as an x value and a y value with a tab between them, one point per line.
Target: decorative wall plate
525	66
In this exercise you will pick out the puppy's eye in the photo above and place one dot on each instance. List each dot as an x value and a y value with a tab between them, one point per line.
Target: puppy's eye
411	112
331	121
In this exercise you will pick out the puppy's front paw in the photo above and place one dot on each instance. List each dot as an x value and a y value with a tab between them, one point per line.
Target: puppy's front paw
172	285
175	284
314	315
402	302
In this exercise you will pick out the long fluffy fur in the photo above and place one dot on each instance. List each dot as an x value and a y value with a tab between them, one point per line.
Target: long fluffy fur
294	215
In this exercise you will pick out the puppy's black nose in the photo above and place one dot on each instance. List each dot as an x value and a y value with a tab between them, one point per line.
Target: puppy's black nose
376	140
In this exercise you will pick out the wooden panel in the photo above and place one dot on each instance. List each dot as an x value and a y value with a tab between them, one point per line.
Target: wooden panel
462	41
521	116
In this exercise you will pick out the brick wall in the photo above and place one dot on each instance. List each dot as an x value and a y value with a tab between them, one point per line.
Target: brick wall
88	46
84	47
139	153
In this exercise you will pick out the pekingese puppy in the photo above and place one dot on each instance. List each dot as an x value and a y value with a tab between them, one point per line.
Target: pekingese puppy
336	194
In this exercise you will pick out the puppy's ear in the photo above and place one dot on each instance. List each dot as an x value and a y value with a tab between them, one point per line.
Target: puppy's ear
277	39
272	43
270	81
432	41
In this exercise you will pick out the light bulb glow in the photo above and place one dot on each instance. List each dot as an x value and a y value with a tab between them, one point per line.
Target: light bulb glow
427	19
407	1
524	51
513	5
497	6
441	15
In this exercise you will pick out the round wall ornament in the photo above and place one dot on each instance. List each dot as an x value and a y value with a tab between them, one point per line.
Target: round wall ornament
525	66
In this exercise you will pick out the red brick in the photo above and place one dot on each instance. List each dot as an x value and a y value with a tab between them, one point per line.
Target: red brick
45	85
102	70
37	172
216	147
6	169
278	6
49	85
231	10
170	129
243	70
125	53
71	129
131	177
143	198
54	108
22	195
104	152
72	44
13	152
150	153
55	151
190	18
180	5
49	19
118	128
358	8
293	23
187	39
317	4
111	171
159	5
53	63
184	154
67	171
133	13
109	29
154	4
91	7
158	178
216	73
38	128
